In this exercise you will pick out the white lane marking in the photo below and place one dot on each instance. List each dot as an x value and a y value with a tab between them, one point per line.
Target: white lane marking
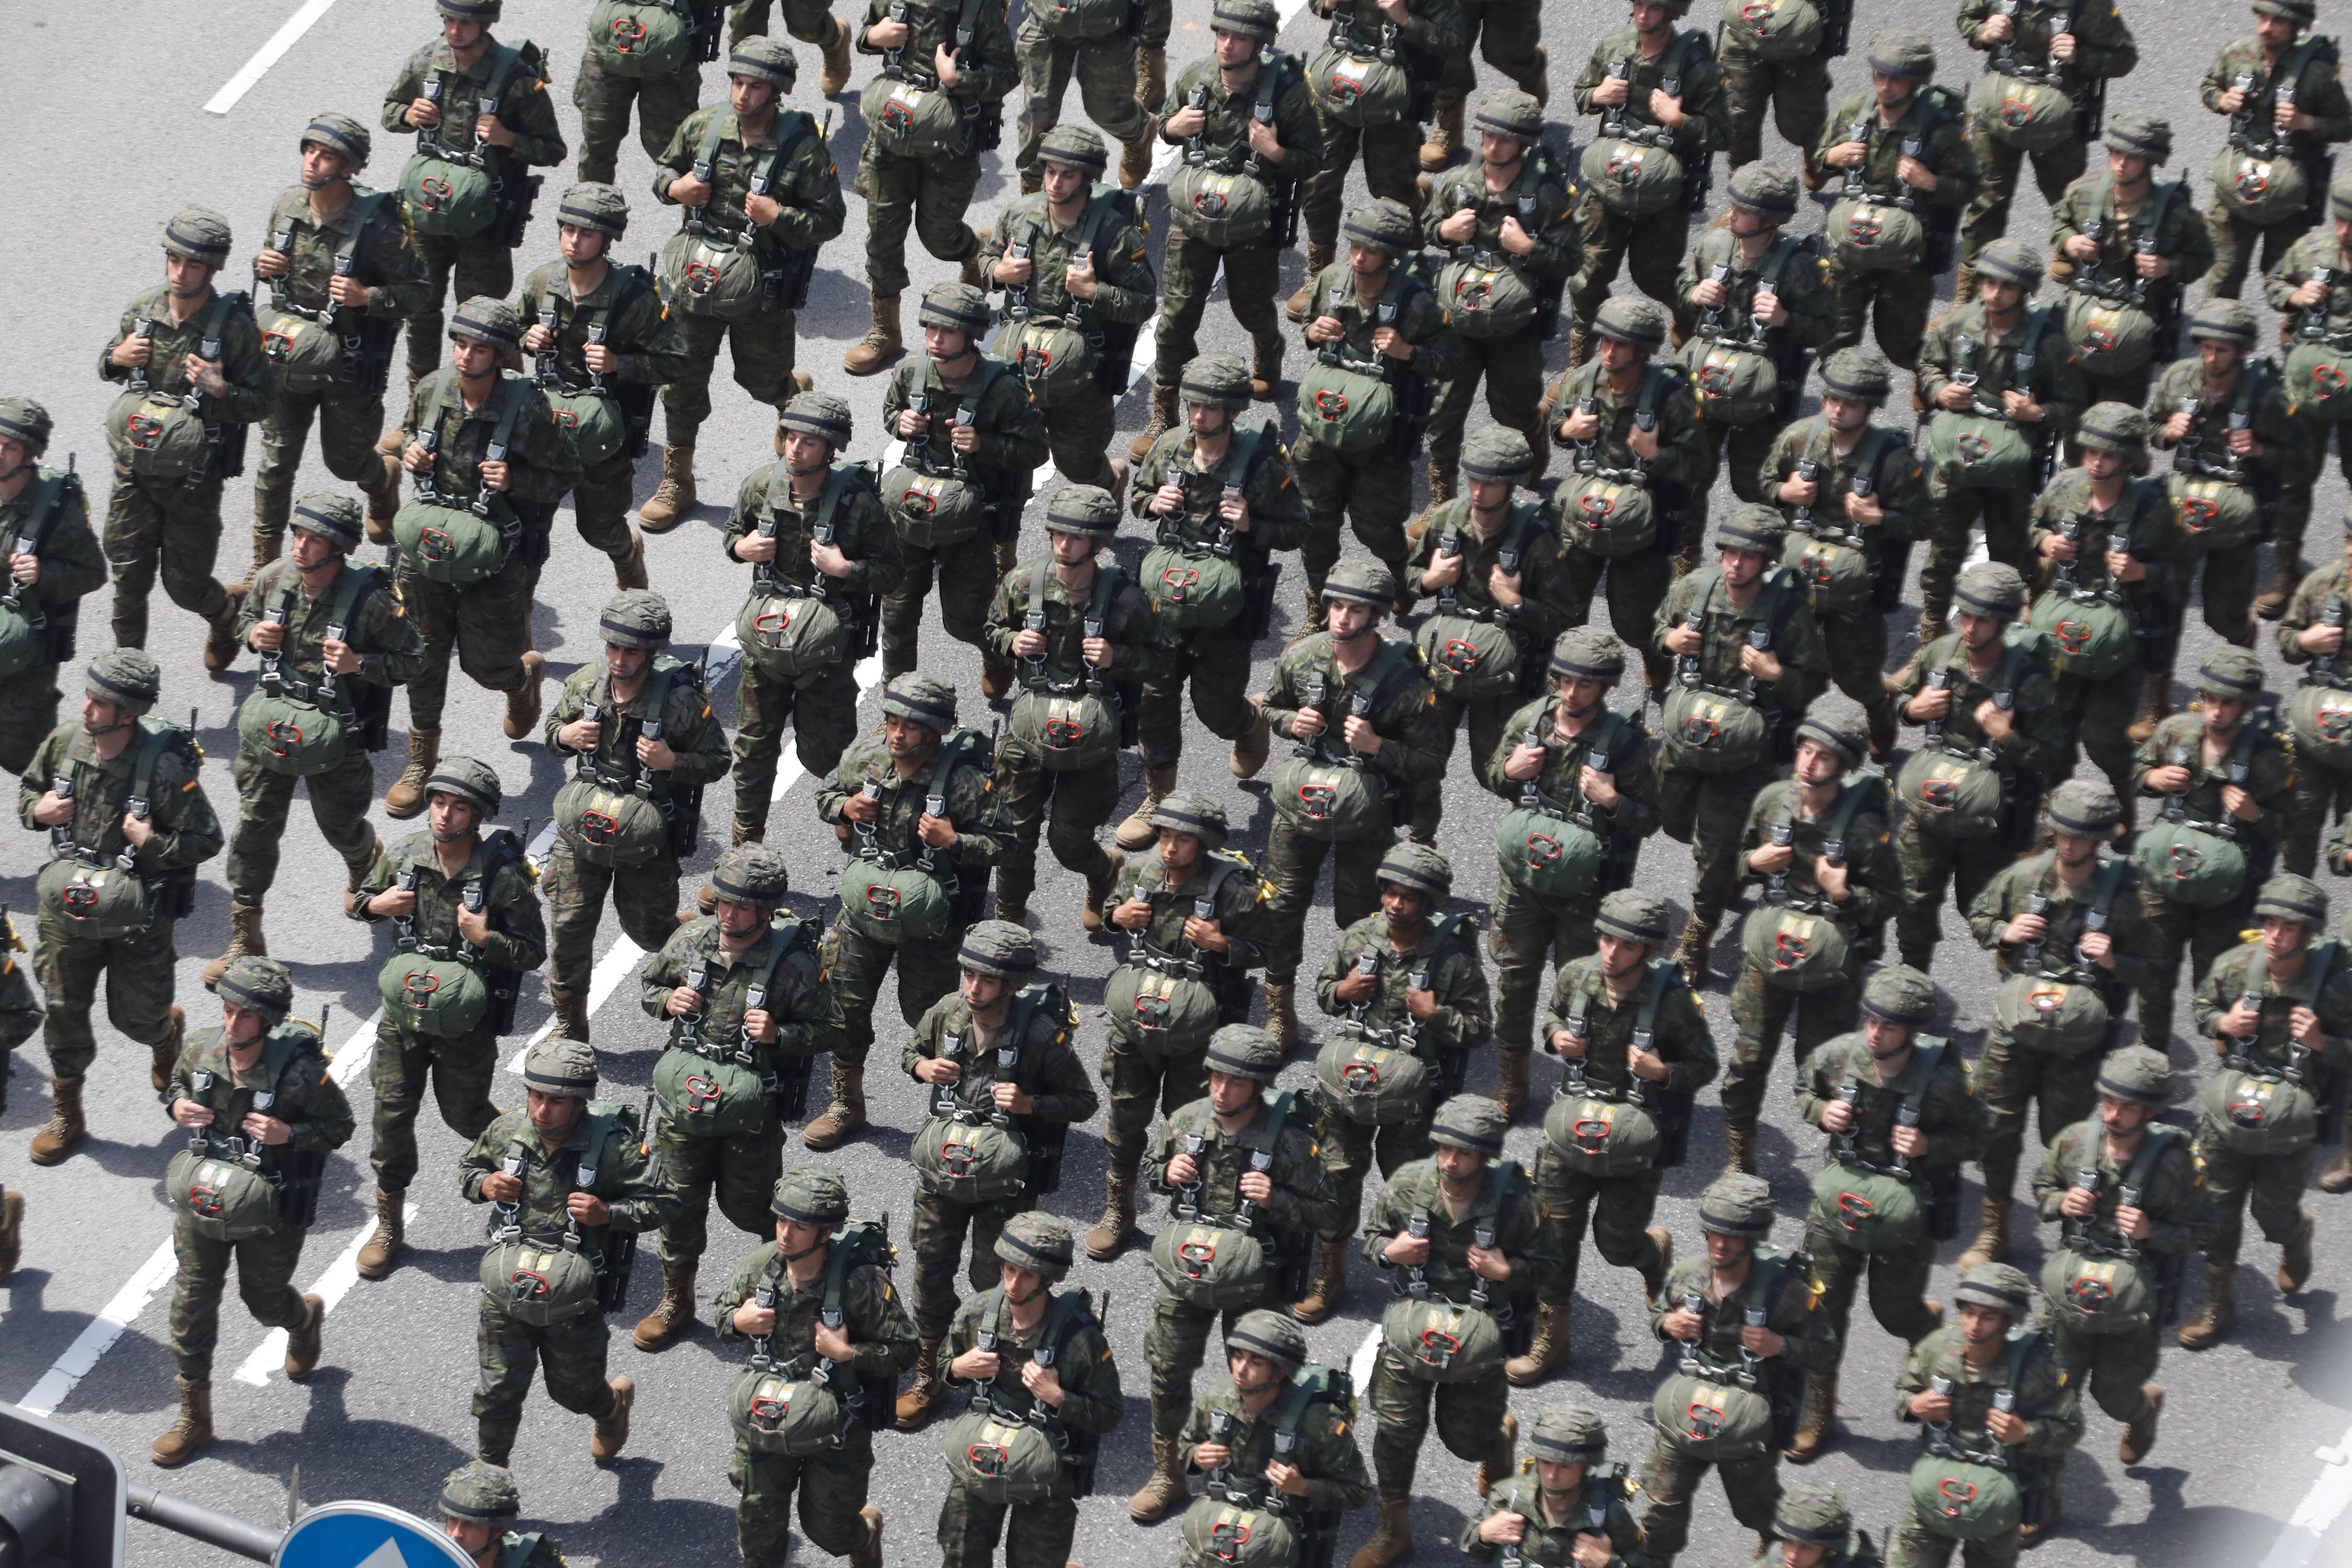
2316	1514
331	1288
268	54
1359	1365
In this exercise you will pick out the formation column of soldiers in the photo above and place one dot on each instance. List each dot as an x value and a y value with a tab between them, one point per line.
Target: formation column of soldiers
2041	410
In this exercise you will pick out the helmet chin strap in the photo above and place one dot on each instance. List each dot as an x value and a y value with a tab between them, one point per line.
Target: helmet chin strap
1043	1286
821	1241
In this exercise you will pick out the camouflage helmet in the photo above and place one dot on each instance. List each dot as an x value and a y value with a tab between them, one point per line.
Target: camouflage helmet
1635	916
1507	112
1251	18
753	875
1385	222
1812	1514
1676	7
1038	1241
2230	672
957	306
2012	262
2086	808
2302	13
762	58
1569	1435
1900	995
819	414
1737	1203
1087	511
1216	381
1764	189
1244	1050
2140	134
2000	1286
489	321
1413	864
2115	427
925	699
334	516
1905	52
483	11
258	984
558	1066
1858	374
1366	582
1079	146
480	1491
1587	653
1752	525
1631	318
1498	452
1277	1336
22	419
2288	896
2138	1074
999	948
199	234
1991	588
1190	811
1472	1121
2228	320
127	677
340	133
475	783
591	203
637	617
1844	733
811	1195
2339	196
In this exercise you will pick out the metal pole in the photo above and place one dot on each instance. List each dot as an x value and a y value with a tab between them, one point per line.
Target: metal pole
196	1521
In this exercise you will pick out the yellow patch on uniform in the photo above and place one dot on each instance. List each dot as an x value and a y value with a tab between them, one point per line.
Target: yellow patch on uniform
2062	1377
1338	1429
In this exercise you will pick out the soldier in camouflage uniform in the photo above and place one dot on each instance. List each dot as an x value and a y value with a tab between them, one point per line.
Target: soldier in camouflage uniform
2067	916
1088	267
603	92
2147	1198
443	867
53	560
1548	1513
1817	841
286	616
1814	1528
1855	1089
883	787
1866	477
20	1014
1492	557
2118	233
1463	1222
751	137
477	1502
874	1340
1796	89
584	296
988	1045
578	1172
1598	1005
1206	1161
810	22
99	759
2307	638
1410	980
2249	79
290	1115
1229	1425
1508	36
2197	758
1624	379
1066	41
190	344
997	1350
739	983
1704	1306
1895	114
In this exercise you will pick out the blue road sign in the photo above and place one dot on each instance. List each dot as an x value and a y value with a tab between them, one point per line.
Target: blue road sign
366	1535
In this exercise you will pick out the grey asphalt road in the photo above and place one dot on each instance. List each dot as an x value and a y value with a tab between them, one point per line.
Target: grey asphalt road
104	145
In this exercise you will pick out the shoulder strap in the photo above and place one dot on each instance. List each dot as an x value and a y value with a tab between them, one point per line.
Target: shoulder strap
2021	1347
1037	570
154	740
510	394
44	498
2104	887
1853	795
365	211
2014	656
707	151
351	585
1653	993
2151	1149
1267	1134
1929	1053
1108	580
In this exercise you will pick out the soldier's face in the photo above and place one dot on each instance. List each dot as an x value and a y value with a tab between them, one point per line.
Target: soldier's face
1619	955
625	664
2101	464
185	278
1891	91
99	716
2221	713
473	1536
1403	906
1844	413
1460	1167
2221	357
1579	695
1252	1372
983	991
1618	356
1725	1251
474	358
751	95
1179	851
2127	168
1229	1093
15	454
1741	567
1367	258
1980	1322
2072	850
1884	1036
2275	31
1021	1285
1801	1554
452	816
1350	618
312	551
1818	764
2122	1118
1555	1476
1208	419
2344	233
581	246
1980	631
908	737
243	1025
1998	295
796	1236
736	919
1650	16
945	344
1490	495
1236	50
1063	182
1069	548
321	165
460	34
804	453
1746	225
1497	148
2283	938
553	1114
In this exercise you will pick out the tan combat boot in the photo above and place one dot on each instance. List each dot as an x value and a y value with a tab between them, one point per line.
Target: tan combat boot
673	1315
244	941
1662	1248
1698	936
192	1433
2156	704
995	675
1165	416
845	1117
629	571
221	646
834	76
570	1013
1265	367
869	1551
1162	1489
2294	1259
1818	1425
308	1340
522	702
1443	477
2034	1533
1880	712
2140	1435
1391	1540
356	873
926	1393
1151	77
1503	1458
2270	603
1328	1285
1547	1351
1992	1244
1282	1014
1579	345
1136	832
405	798
266	548
1511	1080
1135	162
54	1141
382	502
12	1232
1319	256
1444	143
2218	1314
674	497
2336	1176
389	1239
164	1054
1117	1223
611	1434
1251	746
1118	486
1740	1147
1098	888
1033	180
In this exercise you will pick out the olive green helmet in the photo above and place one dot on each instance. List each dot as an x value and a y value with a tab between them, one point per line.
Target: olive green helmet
2138	1074
1991	588
822	414
1631	318
1076	145
2086	808
558	1066
1859	374
1900	995
258	984
1038	1241
1088	510
489	321
1251	18
925	699
957	306
1569	1435
811	1195
1244	1050
1907	53
2230	672
1587	653
1498	452
2115	427
2229	320
127	677
1812	1514
22	419
480	1491
2000	1286
1737	1203
1635	916
1764	190
1366	582
1190	811
2013	260
762	58
1216	381
999	948
1844	733
1507	112
2288	896
2141	134
591	203
637	617
334	516
2303	13
486	11
1273	1335
1472	1121
1752	525
753	875
1384	222
199	234
341	134
1412	863
473	781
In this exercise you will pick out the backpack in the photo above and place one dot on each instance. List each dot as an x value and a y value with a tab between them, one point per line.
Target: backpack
933	500
311	348
178	435
1597	1130
1351	405
1379	1077
973	1152
1473	655
1725	729
542	1280
456	195
1965	1493
629	815
31	634
1800	944
601	419
230	1187
1734	366
445	993
2062	1010
99	898
709	272
1441	1340
456	542
301	728
1070	719
2094	1287
1878	1210
1005	1451
1239	1520
1169	1003
1554	849
711	1089
1334	795
639	40
2191	861
791	628
1953	792
1218	1261
912	894
805	1404
2253	1107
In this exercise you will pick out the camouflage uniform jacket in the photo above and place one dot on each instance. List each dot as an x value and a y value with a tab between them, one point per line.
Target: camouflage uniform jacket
861	531
2143	514
185	833
986	72
1525	1242
1683	457
524	107
2103	42
1056	1079
1225	137
2047	1400
2138	958
2055	381
1803	286
806	187
1943	147
251	385
390	650
2319	93
972	805
1543	610
1126	293
628	302
2319	248
1091	1401
72	565
627	1178
517	934
2325	587
1898	482
1547	1545
1326	1455
1277	514
687	726
2040	733
1792	1313
2173	1197
1680	1037
1434	29
2271	1045
1412	745
312	1107
1239	910
1465	1016
542	466
1559	246
1688	57
1137	652
2181	236
1634	817
1420	321
1796	636
1303	1199
882	1338
2269	775
2287	443
383	259
799	1000
1949	1118
1012	432
1873	880
518	1549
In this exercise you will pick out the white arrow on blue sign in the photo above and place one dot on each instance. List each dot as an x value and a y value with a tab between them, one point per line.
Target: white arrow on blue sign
366	1535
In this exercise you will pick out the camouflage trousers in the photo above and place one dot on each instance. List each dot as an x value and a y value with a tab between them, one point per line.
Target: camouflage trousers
2206	933
140	984
479	265
264	1282
1894	304
1930	863
461	1068
1914	1546
1215	660
742	1170
1650	247
28	712
1487	716
1508	34
1293	864
1392	155
926	971
1513	369
1531	938
1372	490
168	528
349	423
1039	1535
1637	584
1081	800
1670	1484
1077	434
2321	795
1351	1148
2103	712
1253	269
1855	641
1136	1081
1742	448
603	98
1898	1285
1798	92
340	798
1618	1209
832	1486
1708	811
936	1233
2005	516
601	502
1175	1346
1469	1421
2228	590
20	1014
2011	1079
643	897
821	705
1760	1012
1105	70
968	576
485	627
2112	1367
2235	242
809	21
570	1354
762	346
1997	167
929	195
2270	1185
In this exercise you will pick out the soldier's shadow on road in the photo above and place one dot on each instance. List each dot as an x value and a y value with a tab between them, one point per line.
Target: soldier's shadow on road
688	1530
346	1458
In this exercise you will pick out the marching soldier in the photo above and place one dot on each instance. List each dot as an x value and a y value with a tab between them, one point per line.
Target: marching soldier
623	64
1814	1528
809	22
2282	89
1302	1448
192	357
1098	45
262	1114
53	562
567	1178
1635	1048
1567	1505
1764	66
114	791
477	1502
644	744
2127	246
2308	638
2310	287
1508	36
751	170
431	883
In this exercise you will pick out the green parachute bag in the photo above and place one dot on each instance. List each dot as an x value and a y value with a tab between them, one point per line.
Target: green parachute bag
1703	1419
1876	1212
1604	516
787	636
2214	513
779	1416
2097	1295
447	200
1869	234
2052	1016
2110	337
220	1197
442	997
1234	1535
537	1285
1484	299
590	419
1834	569
704	274
1372	1085
710	1099
1978	452
1468	661
23	645
157	436
1218	209
1343	409
1001	1460
289	737
1441	1342
1330	801
2262	188
1191	589
1712	731
1552	856
931	510
611	825
2030	116
2260	1113
1359	89
1595	1136
1735	385
893	903
96	901
1056	362
447	544
1633	178
635	39
971	1162
1951	796
1170	1013
1069	731
911	120
2190	863
1794	949
1774	29
306	355
2092	636
1209	1266
2321	718
2319	381
1962	1500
